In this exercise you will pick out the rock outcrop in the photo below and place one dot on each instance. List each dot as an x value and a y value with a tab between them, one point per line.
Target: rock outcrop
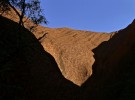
27	71
101	64
114	68
72	49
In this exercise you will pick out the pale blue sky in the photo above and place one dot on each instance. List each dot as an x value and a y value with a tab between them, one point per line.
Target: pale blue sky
93	15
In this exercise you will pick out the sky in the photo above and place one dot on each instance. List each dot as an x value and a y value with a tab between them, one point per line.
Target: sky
91	15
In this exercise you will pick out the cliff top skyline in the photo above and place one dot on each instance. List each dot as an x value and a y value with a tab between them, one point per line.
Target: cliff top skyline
91	15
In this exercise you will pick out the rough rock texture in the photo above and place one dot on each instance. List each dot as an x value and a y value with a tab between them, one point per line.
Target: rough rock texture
32	74
112	61
114	68
116	48
72	50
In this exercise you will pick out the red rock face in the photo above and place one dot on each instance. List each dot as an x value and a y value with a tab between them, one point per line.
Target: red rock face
117	47
73	49
101	64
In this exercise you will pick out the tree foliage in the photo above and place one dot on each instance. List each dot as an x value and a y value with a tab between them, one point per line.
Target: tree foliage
30	8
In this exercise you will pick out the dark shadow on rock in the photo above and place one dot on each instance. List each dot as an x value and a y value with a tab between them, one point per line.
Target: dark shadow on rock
114	68
27	72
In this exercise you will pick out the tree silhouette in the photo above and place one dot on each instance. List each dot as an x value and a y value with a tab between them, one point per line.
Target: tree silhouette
30	8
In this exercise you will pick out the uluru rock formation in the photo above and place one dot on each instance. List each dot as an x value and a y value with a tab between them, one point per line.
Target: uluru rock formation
102	64
72	50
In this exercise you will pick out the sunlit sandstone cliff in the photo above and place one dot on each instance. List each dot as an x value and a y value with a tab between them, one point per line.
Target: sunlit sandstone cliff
28	72
73	49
